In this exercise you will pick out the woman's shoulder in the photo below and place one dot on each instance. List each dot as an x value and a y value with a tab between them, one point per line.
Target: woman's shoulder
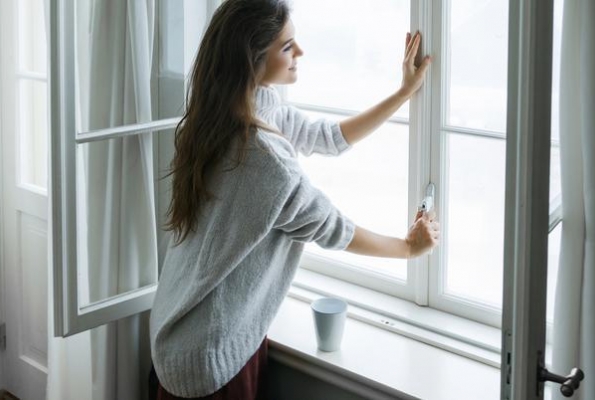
278	149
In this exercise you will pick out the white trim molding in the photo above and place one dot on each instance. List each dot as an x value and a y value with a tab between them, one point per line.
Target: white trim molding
4	43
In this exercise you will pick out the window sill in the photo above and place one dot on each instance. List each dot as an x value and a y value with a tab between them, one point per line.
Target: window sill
393	349
377	363
459	335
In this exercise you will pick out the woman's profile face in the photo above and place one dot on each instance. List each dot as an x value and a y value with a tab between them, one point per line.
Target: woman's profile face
281	63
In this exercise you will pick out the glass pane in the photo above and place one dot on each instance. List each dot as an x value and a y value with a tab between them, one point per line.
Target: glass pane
555	182
368	184
553	263
32	46
556	58
117	230
477	61
475	218
33	133
351	61
118	80
555	175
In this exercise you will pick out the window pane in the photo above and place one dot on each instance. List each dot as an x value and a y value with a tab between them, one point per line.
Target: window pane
475	220
110	69
555	182
116	231
368	183
556	50
553	263
477	62
33	133
32	36
352	60
555	174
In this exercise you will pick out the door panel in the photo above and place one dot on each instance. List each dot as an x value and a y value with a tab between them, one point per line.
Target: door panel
33	289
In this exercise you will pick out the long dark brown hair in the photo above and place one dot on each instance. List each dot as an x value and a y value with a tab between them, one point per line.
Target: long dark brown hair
220	101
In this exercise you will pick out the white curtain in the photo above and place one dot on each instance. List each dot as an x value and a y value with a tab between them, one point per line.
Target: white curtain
574	329
120	204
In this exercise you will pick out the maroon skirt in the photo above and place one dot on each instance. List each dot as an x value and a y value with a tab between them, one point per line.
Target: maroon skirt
248	384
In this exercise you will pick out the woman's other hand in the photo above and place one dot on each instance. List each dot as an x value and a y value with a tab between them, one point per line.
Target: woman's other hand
423	235
413	75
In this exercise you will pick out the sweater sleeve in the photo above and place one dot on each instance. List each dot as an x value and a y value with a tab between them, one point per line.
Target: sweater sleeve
321	136
307	215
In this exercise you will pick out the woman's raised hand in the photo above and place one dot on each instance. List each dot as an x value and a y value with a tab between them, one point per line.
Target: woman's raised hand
413	76
423	235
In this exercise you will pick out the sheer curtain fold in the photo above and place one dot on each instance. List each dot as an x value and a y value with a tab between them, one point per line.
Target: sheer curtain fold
121	239
574	329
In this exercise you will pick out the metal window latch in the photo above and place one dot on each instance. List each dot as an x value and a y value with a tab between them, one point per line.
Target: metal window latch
427	204
569	383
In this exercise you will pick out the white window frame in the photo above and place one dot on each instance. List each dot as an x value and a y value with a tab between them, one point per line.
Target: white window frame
22	76
427	155
425	145
439	300
416	288
69	316
437	114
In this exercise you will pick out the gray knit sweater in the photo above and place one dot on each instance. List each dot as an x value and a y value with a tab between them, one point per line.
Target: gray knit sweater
219	290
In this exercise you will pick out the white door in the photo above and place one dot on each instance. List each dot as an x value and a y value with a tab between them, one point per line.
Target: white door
24	197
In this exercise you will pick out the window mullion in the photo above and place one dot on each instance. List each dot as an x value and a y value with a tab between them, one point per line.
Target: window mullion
420	144
438	149
127	130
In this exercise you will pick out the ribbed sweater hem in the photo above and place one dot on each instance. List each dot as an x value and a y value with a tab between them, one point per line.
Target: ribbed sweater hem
191	374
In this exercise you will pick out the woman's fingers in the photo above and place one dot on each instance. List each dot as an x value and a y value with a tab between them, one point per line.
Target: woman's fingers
424	65
424	234
412	48
418	215
429	233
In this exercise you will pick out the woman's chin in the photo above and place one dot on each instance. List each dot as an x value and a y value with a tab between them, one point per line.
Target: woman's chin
293	78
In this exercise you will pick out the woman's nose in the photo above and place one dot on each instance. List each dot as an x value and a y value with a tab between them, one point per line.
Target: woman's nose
298	51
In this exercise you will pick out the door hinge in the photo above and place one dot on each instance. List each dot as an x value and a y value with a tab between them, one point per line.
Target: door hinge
3	336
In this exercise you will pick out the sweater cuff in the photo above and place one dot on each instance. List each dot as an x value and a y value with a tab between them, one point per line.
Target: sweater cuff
348	234
338	138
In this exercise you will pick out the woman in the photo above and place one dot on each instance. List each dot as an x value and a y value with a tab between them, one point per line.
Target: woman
242	208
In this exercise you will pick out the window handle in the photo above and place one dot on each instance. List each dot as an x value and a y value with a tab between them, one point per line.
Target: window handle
427	204
569	383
